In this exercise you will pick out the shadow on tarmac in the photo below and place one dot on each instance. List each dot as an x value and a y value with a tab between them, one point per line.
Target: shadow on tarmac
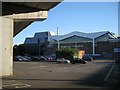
98	79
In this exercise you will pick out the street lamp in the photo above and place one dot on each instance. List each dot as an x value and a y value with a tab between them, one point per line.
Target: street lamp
39	47
93	45
58	44
58	41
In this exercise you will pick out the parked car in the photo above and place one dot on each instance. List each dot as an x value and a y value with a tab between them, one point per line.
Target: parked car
35	58
117	60
27	57
87	58
38	58
50	59
22	58
18	58
42	58
15	58
78	60
96	56
63	60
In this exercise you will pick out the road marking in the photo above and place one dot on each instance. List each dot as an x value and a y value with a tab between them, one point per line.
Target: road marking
23	86
11	85
38	66
16	84
109	72
7	83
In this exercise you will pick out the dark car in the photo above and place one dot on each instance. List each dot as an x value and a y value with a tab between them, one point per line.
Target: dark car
87	58
117	60
38	58
42	58
35	58
50	59
78	60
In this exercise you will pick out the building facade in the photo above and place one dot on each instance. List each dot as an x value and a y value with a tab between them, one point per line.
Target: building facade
39	44
92	43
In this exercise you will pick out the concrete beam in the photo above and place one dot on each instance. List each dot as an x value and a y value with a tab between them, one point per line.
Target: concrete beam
21	21
10	8
25	6
41	15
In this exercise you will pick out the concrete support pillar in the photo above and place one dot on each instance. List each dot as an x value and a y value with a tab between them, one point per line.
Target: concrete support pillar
0	53
6	46
6	37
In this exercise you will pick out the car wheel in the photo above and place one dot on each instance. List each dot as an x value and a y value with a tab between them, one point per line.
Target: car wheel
65	62
73	62
58	62
84	62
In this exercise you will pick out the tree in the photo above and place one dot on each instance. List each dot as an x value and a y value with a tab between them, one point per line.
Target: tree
19	50
67	53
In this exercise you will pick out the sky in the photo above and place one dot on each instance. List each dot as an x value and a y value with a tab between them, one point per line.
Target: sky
87	17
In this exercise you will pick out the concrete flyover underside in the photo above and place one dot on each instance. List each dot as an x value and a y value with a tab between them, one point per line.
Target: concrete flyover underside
14	18
26	8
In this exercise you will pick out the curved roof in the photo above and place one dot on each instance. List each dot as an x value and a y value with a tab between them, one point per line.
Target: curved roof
81	34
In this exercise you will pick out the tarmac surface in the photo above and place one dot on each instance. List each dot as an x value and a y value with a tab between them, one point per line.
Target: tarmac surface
50	75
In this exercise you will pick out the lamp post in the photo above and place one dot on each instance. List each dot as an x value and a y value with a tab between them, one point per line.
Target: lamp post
75	44
58	42
39	47
93	46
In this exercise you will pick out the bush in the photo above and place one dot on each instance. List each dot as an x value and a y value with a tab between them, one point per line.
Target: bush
66	53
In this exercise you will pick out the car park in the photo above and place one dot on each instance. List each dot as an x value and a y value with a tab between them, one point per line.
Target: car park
62	60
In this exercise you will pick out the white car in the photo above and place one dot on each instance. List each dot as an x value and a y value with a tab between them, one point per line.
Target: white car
22	58
63	60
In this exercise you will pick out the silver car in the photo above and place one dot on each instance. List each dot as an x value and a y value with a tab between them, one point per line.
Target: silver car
63	60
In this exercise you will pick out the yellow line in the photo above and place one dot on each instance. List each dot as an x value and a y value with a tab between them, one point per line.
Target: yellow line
109	72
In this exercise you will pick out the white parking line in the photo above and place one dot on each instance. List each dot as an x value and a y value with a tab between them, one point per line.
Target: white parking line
23	86
38	66
11	85
109	72
16	84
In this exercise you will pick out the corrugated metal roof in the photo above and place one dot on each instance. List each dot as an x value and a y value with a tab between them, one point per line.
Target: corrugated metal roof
61	37
81	34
